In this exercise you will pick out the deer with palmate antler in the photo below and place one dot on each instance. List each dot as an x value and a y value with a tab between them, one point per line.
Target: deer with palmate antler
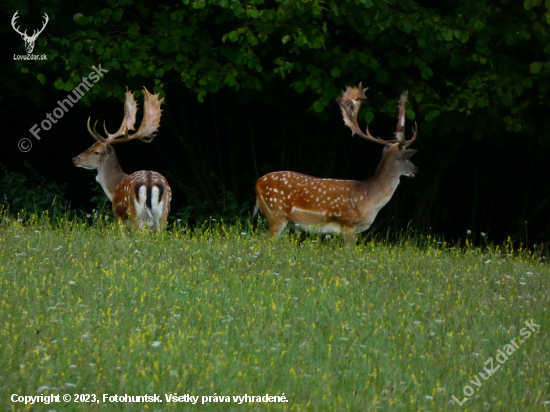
143	197
338	206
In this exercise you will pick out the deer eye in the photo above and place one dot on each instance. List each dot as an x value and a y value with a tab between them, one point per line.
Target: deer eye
96	152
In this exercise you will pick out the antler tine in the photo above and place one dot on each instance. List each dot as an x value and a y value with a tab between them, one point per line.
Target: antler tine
95	134
377	139
400	130
413	138
151	118
128	121
349	103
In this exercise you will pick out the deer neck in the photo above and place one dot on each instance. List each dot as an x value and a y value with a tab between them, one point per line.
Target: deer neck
109	175
381	187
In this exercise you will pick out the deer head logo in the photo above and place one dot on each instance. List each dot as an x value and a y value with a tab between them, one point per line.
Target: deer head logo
29	40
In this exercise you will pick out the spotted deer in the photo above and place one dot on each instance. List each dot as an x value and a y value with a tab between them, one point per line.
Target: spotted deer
142	197
329	206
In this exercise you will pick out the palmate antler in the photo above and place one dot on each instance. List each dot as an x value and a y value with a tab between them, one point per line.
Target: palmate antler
351	101
149	124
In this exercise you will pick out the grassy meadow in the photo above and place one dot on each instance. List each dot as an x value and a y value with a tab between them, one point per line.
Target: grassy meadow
224	311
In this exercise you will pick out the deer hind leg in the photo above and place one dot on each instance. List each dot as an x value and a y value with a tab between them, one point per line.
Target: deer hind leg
277	222
157	206
142	206
163	219
349	236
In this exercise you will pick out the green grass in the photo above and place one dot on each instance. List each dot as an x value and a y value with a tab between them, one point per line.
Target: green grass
402	327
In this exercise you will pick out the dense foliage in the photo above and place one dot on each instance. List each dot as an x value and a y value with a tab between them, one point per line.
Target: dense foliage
467	56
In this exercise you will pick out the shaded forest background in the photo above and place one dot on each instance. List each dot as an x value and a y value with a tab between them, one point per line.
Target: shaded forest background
250	88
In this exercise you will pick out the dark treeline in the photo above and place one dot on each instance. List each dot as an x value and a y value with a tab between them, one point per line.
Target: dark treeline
264	100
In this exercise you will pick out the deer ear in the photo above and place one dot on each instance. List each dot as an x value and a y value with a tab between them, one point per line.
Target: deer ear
109	150
407	153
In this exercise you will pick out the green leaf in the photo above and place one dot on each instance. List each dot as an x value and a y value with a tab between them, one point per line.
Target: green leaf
369	116
59	84
335	72
253	13
299	86
41	78
230	80
24	70
529	4
80	19
473	83
410	113
301	40
69	86
199	4
233	36
418	97
427	73
536	67
286	39
483	102
318	106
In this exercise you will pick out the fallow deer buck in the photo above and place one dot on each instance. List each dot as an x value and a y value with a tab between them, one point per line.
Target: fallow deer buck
143	197
338	206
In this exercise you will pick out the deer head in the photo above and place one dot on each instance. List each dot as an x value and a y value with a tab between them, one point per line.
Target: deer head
29	40
396	155
100	152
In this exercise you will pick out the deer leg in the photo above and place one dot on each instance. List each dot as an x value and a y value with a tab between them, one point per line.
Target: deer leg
349	236
163	221
277	228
